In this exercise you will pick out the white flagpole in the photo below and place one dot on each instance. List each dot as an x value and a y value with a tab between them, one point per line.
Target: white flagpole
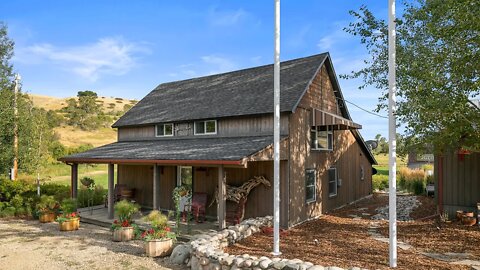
392	144
276	134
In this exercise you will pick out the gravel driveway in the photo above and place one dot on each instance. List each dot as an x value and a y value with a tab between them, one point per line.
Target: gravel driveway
27	244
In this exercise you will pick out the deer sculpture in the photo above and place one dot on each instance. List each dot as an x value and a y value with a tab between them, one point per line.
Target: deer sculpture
234	194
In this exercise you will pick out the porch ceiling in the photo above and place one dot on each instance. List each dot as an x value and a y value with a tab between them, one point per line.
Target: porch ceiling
214	150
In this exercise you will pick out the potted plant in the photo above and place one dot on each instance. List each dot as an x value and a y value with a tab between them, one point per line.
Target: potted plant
69	219
46	209
122	228
159	238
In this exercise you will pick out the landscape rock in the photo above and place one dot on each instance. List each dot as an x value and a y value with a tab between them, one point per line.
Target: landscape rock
180	253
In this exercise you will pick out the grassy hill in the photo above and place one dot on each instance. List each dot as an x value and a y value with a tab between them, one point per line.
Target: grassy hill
72	136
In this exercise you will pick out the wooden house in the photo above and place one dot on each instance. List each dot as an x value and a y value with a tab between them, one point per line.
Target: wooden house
217	130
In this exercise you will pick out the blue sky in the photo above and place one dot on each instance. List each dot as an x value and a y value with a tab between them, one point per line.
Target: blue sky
126	48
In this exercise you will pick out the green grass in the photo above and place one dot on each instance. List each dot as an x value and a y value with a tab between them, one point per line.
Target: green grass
382	167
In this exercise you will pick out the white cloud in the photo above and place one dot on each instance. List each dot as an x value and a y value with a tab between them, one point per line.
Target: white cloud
218	64
110	55
226	17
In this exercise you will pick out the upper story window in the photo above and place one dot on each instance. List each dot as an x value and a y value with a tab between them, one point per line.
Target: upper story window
205	127
321	138
164	130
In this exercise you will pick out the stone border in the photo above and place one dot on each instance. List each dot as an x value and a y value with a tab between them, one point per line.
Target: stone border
206	252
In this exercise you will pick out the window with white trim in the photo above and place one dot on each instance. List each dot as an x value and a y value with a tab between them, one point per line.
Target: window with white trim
205	127
321	138
310	185
332	182
164	130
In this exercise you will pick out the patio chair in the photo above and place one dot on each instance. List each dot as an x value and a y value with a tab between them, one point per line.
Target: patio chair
121	192
197	207
236	216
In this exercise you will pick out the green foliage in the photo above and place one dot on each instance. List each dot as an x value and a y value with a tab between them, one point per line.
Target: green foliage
97	196
46	204
68	206
437	69
125	210
413	181
58	191
379	182
8	211
160	229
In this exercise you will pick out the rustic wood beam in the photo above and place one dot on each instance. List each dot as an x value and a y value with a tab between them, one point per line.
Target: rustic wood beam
74	181
156	186
111	189
222	192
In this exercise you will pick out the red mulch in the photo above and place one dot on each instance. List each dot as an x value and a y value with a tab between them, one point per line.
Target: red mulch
345	242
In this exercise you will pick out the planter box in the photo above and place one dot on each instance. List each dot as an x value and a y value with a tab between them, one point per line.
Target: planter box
159	247
47	217
123	234
70	225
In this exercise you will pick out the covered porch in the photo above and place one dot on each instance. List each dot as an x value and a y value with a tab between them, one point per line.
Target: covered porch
143	167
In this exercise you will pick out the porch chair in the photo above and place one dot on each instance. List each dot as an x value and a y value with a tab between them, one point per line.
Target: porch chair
197	207
236	216
120	192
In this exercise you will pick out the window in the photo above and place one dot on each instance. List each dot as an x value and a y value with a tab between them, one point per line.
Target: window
164	130
321	138
310	186
184	176
205	127
332	182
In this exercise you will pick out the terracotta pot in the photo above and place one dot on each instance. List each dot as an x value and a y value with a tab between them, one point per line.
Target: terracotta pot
47	217
468	214
469	221
460	214
159	247
123	234
70	225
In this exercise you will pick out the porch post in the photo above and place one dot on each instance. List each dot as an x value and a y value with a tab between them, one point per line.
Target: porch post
156	186
111	189
222	190
74	181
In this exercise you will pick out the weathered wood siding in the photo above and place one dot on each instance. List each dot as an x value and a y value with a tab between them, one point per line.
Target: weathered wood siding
140	177
347	157
257	125
461	181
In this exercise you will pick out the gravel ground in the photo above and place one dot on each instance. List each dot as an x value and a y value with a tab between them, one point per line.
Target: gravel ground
27	244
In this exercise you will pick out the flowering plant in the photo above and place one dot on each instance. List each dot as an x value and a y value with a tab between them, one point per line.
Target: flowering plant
160	228
66	217
119	224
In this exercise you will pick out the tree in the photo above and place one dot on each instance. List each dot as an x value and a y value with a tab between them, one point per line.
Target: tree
84	111
33	131
438	70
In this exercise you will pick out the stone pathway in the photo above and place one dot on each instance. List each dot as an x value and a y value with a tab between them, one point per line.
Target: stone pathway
455	258
405	206
373	232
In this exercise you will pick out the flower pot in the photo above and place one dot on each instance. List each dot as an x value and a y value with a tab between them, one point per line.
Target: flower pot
47	217
159	247
469	221
123	234
70	225
468	214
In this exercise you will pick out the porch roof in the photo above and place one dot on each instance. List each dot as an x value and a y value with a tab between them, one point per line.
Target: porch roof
226	150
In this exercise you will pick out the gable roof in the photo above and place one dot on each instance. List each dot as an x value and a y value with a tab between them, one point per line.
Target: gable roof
243	92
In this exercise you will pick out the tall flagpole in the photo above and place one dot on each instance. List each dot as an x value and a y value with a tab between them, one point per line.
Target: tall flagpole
276	134
15	128
392	144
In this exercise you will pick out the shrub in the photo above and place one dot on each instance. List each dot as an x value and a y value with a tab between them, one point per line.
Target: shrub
8	211
125	210
58	191
46	204
413	181
68	206
379	182
97	195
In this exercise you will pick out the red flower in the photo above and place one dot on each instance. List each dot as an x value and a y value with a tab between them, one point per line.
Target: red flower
115	221
125	223
151	231
167	229
73	214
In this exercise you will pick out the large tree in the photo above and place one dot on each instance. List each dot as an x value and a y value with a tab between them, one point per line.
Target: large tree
33	131
438	69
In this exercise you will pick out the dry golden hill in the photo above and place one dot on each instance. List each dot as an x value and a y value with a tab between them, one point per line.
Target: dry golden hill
72	136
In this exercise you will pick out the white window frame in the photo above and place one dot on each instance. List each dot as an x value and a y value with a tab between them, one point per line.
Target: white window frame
165	124
316	130
330	193
314	199
179	174
204	127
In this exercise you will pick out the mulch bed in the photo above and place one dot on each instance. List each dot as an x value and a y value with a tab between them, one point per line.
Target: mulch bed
338	240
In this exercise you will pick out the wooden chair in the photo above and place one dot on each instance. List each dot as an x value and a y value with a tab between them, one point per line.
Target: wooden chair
197	207
120	192
236	216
